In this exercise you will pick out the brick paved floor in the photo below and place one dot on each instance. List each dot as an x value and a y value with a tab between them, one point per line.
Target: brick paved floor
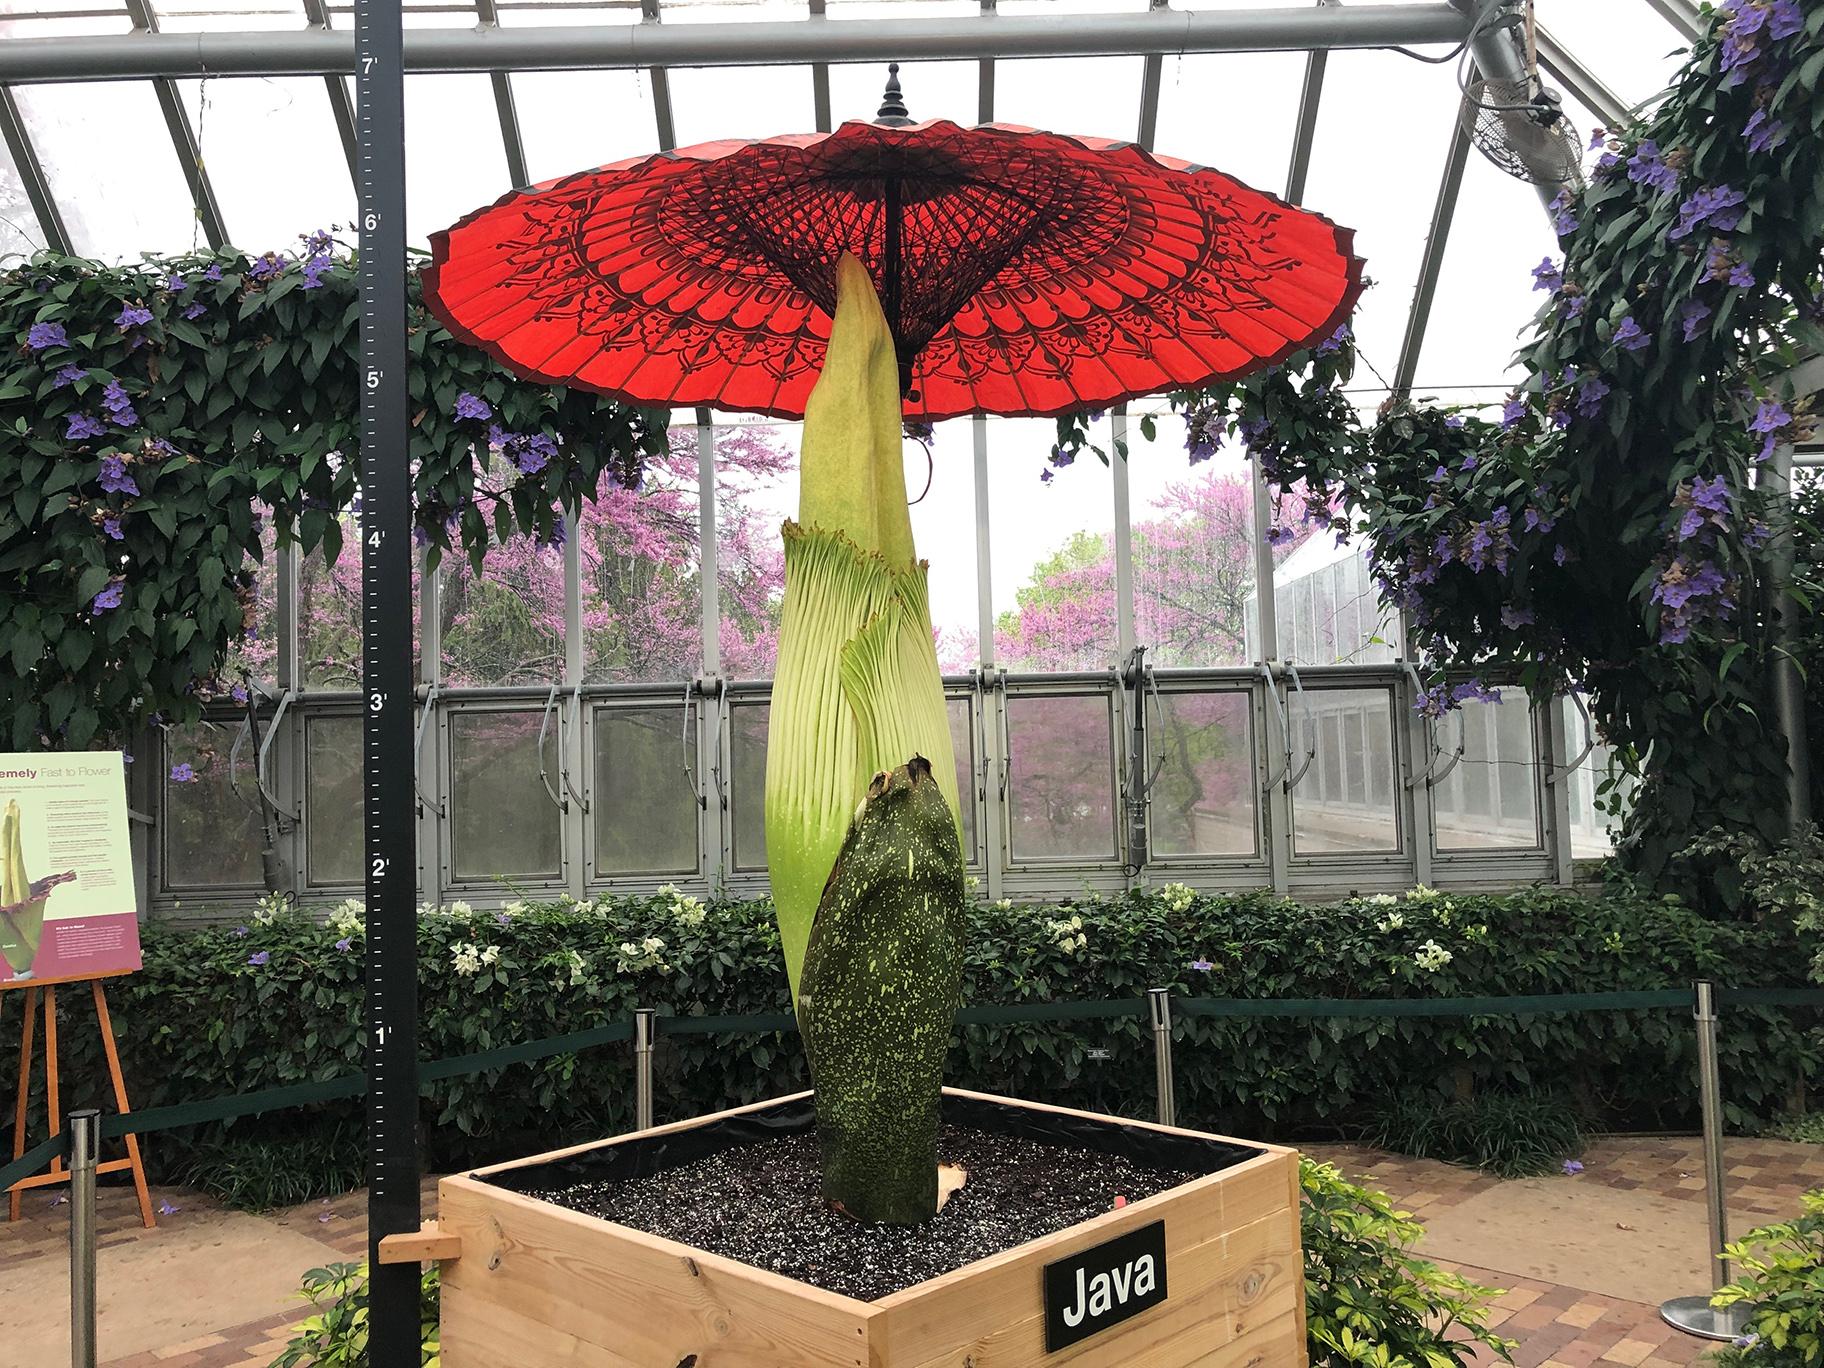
1556	1327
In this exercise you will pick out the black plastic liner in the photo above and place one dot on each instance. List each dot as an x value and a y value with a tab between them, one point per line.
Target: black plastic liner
642	1158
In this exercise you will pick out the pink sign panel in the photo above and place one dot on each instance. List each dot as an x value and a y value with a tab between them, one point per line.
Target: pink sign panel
67	905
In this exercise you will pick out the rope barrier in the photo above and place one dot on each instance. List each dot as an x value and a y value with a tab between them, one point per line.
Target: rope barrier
232	1105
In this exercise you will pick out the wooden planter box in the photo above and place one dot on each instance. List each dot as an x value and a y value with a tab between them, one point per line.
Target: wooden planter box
537	1285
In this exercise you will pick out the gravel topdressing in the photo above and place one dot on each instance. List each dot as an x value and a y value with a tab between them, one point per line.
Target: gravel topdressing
759	1203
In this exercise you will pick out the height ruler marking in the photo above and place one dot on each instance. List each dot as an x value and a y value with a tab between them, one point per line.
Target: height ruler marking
386	681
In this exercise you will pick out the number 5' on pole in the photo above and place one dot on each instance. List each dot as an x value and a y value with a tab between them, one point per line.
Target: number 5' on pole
386	639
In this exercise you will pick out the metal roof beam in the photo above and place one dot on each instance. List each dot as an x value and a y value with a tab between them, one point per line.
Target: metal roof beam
31	174
510	141
183	136
312	52
1579	81
661	86
1152	72
1432	264
984	86
1304	133
1682	15
820	82
341	107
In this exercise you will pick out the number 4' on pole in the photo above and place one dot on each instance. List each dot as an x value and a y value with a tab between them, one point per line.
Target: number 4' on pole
386	616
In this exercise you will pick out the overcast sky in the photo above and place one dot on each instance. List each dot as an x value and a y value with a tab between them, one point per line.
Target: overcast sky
278	170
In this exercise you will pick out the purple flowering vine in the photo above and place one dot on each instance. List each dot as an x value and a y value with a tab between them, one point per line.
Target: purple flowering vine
1718	207
44	336
471	406
1692	315
109	597
133	316
1563	209
81	427
1630	336
114	478
1547	276
1203	428
119	405
1446	697
183	773
259	959
1646	167
1763	132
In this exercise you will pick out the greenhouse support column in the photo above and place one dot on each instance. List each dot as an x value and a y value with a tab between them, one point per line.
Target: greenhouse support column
1557	744
1278	824
427	757
715	840
990	699
1131	677
291	766
1788	682
575	761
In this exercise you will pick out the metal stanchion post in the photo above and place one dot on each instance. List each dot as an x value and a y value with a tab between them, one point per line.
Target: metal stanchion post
85	1150
645	1027
1160	1001
1695	1315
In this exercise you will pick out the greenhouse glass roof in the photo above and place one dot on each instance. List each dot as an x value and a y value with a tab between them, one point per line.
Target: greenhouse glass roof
185	148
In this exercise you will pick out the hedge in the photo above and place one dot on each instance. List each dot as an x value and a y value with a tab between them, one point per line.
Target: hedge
278	1001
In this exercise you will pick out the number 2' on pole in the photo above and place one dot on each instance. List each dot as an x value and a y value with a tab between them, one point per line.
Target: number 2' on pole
386	639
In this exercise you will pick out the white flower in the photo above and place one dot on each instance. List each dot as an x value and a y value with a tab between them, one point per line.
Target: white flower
689	912
1004	905
1432	957
669	891
465	959
1177	897
461	909
652	945
349	917
638	956
1393	921
267	910
428	910
489	955
579	969
971	883
1420	893
516	908
1382	900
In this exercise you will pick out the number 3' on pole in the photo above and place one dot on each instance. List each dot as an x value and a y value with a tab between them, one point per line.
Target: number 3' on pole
386	617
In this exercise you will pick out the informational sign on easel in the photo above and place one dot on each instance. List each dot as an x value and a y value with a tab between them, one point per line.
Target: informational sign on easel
67	903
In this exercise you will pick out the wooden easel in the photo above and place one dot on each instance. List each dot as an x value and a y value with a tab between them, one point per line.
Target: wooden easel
47	990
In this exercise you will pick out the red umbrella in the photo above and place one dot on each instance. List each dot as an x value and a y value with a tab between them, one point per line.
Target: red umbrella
1023	273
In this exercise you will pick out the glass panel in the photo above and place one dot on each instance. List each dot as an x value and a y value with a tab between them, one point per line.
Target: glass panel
621	122
505	625
1627	47
267	200
333	825
1193	537
257	653
747	785
943	528
454	160
213	835
1061	798
1261	87
329	615
933	90
111	133
1204	798
756	490
645	809
1352	731
1327	606
642	589
1593	786
504	824
962	741
1054	565
710	103
20	234
1489	800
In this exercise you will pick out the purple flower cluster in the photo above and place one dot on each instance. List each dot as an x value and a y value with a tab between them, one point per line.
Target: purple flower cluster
1513	412
43	336
183	773
1692	315
1646	167
133	316
109	597
1334	342
81	427
114	478
531	452
1750	28
68	375
268	267
1692	588
1564	215
1770	420
1547	276
471	407
1279	535
1630	336
119	405
1763	132
1718	207
1203	429
1444	698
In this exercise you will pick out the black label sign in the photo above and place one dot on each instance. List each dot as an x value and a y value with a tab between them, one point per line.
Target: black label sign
1096	1288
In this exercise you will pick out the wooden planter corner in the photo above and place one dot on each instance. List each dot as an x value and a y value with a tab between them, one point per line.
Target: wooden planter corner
538	1285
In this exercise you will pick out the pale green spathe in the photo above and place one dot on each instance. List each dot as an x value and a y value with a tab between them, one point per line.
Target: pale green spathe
857	688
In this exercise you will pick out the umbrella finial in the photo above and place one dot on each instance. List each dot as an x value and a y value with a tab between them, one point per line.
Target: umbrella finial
893	103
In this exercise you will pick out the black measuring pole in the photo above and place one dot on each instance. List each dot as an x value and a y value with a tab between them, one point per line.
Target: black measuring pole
386	676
